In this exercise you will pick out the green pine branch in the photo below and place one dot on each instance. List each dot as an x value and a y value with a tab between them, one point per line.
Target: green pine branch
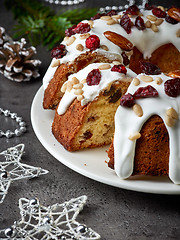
40	24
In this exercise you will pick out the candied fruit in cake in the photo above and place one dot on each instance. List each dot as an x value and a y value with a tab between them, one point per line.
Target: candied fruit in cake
149	68
172	87
94	77
127	100
126	23
145	92
59	51
119	68
93	42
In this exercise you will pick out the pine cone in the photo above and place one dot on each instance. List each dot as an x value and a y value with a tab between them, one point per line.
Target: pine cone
4	37
16	61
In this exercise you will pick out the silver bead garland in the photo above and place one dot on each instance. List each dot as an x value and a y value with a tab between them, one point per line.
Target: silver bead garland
64	3
18	131
120	8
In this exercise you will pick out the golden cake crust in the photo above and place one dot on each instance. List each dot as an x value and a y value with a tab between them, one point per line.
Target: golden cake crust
152	149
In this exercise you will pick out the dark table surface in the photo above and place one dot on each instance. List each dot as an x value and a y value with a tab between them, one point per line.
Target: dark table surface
112	212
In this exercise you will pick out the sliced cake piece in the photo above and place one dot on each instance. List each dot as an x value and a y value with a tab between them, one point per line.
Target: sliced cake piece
85	115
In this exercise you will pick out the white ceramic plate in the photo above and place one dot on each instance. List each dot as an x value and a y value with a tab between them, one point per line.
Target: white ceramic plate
91	163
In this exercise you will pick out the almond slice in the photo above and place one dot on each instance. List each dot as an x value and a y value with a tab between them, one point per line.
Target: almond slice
145	78
119	40
105	18
158	80
151	18
170	121
104	66
138	110
171	112
56	63
104	47
134	136
136	81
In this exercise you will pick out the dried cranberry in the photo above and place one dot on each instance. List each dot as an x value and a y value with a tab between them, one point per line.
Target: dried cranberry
158	13
92	42
119	68
172	87
111	13
126	23
125	59
127	100
145	92
94	77
149	7
59	51
97	16
132	10
82	28
170	20
149	68
139	23
69	32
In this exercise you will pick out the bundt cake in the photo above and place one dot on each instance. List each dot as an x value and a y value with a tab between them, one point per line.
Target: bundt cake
88	78
128	36
147	129
85	115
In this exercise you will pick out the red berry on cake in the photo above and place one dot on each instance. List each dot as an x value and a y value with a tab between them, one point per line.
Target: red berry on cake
172	87
94	77
149	68
119	68
127	100
82	28
145	92
126	23
93	42
59	51
158	13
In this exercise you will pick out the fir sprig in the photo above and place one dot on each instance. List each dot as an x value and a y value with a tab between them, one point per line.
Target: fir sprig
42	25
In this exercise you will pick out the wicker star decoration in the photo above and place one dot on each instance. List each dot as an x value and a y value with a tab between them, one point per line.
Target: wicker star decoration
12	169
54	222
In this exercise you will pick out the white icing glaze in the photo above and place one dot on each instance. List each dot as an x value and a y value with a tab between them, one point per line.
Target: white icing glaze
90	92
127	122
49	74
146	41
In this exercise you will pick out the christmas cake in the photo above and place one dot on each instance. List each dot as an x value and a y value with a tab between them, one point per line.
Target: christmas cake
87	80
147	137
128	36
85	115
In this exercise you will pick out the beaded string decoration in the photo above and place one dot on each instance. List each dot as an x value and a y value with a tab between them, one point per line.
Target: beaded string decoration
120	8
11	169
18	131
64	3
54	222
103	9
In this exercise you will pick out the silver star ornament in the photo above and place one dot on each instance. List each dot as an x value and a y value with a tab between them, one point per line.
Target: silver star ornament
54	222
11	169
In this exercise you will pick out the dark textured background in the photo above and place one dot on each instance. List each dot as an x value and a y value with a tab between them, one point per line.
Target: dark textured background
114	213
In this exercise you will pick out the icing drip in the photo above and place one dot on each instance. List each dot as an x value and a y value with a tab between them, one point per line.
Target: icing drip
124	149
141	39
91	92
146	41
